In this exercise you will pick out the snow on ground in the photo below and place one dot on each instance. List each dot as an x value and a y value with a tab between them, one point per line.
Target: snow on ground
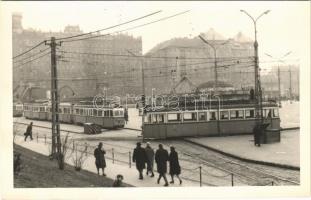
112	169
289	113
284	152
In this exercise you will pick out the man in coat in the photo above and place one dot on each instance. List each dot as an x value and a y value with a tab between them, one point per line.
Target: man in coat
150	159
28	131
161	158
140	158
100	161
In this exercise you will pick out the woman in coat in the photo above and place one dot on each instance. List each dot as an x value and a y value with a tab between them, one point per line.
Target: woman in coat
161	158
174	165
100	161
150	159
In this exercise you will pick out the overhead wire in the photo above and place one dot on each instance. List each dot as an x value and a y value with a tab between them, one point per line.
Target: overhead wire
18	66
23	53
127	29
41	51
110	27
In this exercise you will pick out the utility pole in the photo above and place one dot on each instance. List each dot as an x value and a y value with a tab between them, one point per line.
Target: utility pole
279	84
215	60
290	84
143	93
54	101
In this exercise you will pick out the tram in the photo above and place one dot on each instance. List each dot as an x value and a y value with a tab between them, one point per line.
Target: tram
107	118
17	110
208	118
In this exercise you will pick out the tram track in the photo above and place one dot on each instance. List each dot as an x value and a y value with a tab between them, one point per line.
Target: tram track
253	174
246	173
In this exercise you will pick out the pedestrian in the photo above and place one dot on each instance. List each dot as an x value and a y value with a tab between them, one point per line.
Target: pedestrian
161	158
126	116
28	131
100	161
174	165
257	135
150	159
118	181
139	157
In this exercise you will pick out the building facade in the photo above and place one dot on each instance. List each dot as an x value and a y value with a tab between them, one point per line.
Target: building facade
86	67
167	63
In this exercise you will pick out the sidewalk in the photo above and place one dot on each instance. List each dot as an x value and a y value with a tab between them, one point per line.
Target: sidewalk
285	152
130	174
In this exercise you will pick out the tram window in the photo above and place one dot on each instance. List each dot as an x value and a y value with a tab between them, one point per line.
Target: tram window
148	119
202	116
224	114
99	113
190	116
173	117
77	111
275	113
41	109
81	111
212	116
106	113
249	113
267	113
160	118
236	114
121	113
110	113
154	118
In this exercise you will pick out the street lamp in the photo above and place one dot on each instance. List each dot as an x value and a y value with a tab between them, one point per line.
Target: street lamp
257	78
280	59
215	59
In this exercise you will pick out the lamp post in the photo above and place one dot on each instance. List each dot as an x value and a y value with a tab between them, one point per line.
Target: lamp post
280	59
215	59
258	93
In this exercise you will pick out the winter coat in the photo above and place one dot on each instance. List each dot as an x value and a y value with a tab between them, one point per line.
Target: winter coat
150	157
28	130
161	158
174	163
100	161
140	158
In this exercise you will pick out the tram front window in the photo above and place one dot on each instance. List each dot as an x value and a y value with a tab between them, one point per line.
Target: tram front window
275	112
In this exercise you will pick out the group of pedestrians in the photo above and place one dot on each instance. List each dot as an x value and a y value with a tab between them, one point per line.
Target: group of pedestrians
143	156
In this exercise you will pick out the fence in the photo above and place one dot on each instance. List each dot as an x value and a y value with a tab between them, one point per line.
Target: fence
196	174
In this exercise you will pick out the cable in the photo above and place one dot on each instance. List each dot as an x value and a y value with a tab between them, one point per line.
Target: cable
41	51
18	66
29	49
156	57
131	28
64	38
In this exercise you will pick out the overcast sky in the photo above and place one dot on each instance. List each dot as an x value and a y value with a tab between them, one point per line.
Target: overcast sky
285	28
